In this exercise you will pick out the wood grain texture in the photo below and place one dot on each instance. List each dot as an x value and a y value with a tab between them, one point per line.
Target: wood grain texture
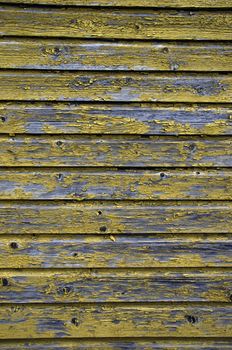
120	151
108	251
118	24
116	87
132	3
105	184
102	320
74	286
112	344
97	55
143	119
115	180
115	217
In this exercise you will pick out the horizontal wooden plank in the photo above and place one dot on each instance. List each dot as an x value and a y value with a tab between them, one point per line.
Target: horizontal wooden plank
131	3
58	321
116	217
125	344
118	185
115	286
97	55
147	119
116	151
117	86
150	24
108	251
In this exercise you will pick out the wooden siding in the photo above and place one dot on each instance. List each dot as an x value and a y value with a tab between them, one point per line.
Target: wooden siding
115	87
123	344
115	175
118	24
116	251
125	56
131	3
130	119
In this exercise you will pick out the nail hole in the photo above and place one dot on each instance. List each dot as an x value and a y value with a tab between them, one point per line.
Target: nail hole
59	143
103	228
3	119
192	147
137	26
129	80
116	321
56	50
75	321
74	254
99	212
198	172
5	282
191	319
162	175
64	290
165	50
14	245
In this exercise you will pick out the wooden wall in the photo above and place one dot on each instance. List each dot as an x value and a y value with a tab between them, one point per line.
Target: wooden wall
115	178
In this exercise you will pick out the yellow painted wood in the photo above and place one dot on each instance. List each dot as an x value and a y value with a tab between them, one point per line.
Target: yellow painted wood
117	86
111	251
115	217
131	3
105	184
118	24
146	254
112	344
125	320
68	54
127	285
146	118
116	151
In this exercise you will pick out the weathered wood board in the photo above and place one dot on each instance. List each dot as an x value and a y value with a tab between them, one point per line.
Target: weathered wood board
122	118
116	251
123	23
120	151
137	344
105	184
88	55
120	217
107	320
115	87
62	286
123	344
132	3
